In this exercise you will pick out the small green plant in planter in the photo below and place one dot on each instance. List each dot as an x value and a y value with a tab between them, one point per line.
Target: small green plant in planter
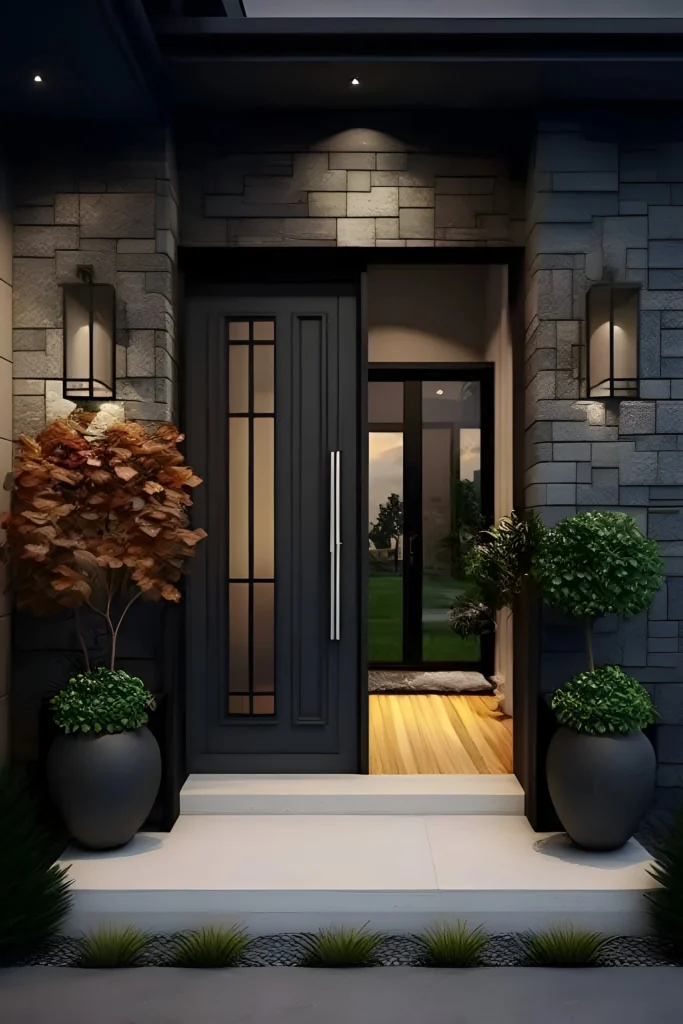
211	947
104	800
341	947
35	895
563	947
452	945
112	947
600	766
666	902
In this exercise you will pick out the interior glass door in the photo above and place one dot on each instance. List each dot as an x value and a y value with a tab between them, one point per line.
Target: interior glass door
430	493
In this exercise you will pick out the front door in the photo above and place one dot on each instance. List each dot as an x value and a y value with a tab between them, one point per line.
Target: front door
272	642
430	448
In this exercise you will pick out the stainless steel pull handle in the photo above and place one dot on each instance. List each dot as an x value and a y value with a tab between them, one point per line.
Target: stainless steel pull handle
333	548
337	545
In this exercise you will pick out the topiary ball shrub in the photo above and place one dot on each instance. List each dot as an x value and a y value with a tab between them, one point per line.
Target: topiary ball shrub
103	700
34	892
598	563
602	701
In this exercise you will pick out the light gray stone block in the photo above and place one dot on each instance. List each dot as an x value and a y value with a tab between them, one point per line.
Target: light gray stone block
416	223
391	243
381	177
666	222
562	410
670	417
459	211
561	494
637	418
361	181
42	241
26	386
555	294
353	231
135	246
37	299
392	161
419	243
140	354
666	254
311	173
310	227
118	215
578	451
386	227
582	431
421	197
327	204
637	468
67	208
352	161
34	215
88	245
28	341
670	469
165	241
603	490
68	261
147	261
28	415
378	202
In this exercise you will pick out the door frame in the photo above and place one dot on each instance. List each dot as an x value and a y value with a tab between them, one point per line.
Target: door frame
205	269
412	372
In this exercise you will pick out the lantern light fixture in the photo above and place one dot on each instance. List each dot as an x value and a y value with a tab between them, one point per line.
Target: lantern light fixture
612	330
89	338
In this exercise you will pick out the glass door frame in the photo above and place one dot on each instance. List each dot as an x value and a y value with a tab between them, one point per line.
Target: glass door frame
411	427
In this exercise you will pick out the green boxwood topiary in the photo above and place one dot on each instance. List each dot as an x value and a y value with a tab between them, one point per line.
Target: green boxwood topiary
604	700
595	564
103	700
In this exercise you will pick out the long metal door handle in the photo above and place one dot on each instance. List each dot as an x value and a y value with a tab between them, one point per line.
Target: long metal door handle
337	546
333	545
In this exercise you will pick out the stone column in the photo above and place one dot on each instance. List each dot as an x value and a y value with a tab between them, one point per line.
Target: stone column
596	205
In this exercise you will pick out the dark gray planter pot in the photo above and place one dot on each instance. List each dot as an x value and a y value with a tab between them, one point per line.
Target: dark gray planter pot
104	786
601	786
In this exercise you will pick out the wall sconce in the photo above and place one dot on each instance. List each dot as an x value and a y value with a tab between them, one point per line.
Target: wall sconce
612	329
89	338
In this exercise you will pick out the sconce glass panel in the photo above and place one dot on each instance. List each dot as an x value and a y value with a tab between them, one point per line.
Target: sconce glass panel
89	341
612	329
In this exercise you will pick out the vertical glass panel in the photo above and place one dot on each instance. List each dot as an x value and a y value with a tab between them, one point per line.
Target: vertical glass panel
238	330
238	378
451	510
77	334
625	342
385	401
103	341
264	378
264	637
238	664
239	497
385	547
263	330
599	341
264	499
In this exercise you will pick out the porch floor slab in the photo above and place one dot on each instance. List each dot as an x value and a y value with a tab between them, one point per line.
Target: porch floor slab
352	794
293	873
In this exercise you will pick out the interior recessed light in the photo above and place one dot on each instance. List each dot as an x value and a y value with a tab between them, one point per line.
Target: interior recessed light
37	78
439	392
355	81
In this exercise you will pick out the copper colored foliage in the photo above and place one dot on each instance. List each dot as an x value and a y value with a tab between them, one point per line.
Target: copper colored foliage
99	518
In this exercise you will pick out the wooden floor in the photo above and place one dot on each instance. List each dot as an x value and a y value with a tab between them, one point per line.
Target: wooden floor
434	734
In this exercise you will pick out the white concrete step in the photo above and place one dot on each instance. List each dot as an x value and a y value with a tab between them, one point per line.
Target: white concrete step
352	794
400	873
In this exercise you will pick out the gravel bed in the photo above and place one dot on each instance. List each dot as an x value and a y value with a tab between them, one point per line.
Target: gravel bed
395	951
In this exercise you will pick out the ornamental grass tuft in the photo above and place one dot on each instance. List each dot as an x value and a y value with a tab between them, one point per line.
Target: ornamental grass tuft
109	946
455	945
564	947
210	947
341	947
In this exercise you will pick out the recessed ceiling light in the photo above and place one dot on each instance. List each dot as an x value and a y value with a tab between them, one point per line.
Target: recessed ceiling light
355	81
439	392
37	78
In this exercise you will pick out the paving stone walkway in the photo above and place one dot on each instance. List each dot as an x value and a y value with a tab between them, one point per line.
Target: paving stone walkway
281	995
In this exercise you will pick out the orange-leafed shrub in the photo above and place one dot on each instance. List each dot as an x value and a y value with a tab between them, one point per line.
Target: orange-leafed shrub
99	519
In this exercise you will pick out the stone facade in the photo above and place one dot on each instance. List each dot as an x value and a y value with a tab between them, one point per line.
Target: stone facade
5	438
356	188
597	206
118	214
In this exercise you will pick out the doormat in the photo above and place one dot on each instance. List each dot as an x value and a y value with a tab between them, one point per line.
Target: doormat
400	681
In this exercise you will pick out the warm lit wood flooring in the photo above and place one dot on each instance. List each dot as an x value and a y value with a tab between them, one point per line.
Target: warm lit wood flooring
435	734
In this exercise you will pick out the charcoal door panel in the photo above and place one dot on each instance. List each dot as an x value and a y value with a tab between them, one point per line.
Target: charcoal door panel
314	727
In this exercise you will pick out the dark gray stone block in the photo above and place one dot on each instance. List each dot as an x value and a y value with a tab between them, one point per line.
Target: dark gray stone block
665	524
665	222
637	468
663	629
577	451
672	318
670	415
659	609
655	389
670	468
650	343
634	495
583	473
665	279
657	443
637	418
670	744
603	490
666	254
672	368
